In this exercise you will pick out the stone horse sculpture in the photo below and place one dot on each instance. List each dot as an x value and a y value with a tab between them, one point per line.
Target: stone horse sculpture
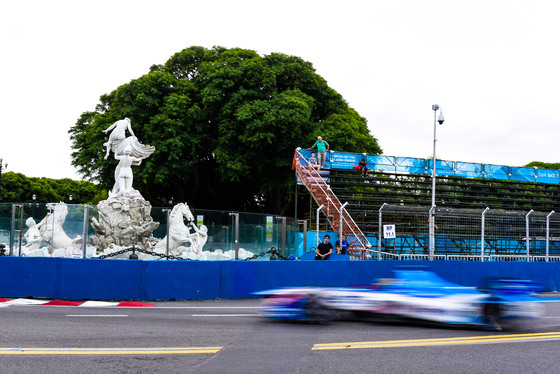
179	233
50	228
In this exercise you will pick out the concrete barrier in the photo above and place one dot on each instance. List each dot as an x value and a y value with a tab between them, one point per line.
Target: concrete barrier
77	279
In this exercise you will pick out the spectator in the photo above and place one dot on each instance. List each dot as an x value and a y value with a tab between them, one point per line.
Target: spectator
362	166
342	249
313	161
322	149
324	249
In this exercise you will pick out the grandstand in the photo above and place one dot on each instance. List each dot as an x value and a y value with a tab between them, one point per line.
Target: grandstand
463	191
407	181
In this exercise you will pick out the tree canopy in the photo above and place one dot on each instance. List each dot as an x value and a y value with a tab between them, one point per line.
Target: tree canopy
225	123
16	187
543	165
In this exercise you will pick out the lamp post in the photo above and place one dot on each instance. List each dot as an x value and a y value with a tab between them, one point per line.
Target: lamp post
34	197
70	198
2	167
439	120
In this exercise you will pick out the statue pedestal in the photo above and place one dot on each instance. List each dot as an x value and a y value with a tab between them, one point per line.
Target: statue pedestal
123	222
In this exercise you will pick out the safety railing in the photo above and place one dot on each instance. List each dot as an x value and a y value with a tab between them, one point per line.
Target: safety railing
397	164
469	234
331	206
386	256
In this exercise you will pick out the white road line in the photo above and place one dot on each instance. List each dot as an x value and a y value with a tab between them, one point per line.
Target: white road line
97	315
112	305
202	307
224	315
97	304
26	302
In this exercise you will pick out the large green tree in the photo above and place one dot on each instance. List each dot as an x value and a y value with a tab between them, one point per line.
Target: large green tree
225	123
543	165
18	188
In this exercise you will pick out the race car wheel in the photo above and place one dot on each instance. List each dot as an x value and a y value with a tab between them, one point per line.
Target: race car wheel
492	315
318	312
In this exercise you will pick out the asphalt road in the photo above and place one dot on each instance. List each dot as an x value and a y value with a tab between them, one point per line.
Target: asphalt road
228	337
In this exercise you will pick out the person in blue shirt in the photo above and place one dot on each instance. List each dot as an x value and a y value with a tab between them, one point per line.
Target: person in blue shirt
342	249
313	161
322	149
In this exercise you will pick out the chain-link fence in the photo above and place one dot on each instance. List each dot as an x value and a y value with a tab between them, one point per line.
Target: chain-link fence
467	234
460	234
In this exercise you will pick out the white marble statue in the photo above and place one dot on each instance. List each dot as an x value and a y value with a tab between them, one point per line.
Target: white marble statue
129	151
32	236
199	238
179	233
50	228
118	134
124	176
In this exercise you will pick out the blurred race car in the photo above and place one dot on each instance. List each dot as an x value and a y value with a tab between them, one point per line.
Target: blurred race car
413	295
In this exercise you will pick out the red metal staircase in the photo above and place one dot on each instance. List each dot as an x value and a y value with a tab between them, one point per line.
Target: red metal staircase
321	192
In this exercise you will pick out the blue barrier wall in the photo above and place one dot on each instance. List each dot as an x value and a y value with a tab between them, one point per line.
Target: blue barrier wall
77	279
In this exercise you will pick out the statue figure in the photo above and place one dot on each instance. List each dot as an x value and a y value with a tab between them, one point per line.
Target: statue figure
50	228
32	236
129	151
123	174
199	238
118	134
179	233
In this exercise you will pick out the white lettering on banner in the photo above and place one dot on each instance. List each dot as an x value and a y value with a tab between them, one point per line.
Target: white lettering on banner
344	159
389	232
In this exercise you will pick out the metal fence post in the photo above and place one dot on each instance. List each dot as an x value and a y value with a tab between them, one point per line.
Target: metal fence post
341	222
379	234
85	231
168	212
548	233
51	246
236	215
13	228
304	235
317	226
304	243
528	243
482	225
432	223
284	233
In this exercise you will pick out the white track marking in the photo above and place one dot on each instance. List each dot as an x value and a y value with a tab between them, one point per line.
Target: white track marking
26	302
224	315
97	304
205	307
97	315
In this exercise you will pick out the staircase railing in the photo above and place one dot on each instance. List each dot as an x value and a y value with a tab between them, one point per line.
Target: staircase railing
323	195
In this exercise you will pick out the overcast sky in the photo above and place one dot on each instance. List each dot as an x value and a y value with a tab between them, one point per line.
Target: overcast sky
493	67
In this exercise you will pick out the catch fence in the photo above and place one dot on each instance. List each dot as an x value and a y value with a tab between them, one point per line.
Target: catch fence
468	234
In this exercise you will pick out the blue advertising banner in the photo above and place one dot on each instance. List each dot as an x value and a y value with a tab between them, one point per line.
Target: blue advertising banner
393	164
342	160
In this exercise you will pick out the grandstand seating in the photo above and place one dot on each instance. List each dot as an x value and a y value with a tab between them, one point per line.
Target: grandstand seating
366	196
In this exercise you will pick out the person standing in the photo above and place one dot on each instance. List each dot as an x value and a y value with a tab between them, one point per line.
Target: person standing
324	249
322	149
